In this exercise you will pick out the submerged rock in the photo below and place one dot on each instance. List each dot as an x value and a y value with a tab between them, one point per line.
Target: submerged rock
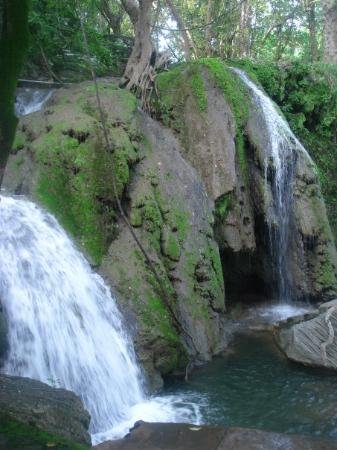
169	436
312	340
56	411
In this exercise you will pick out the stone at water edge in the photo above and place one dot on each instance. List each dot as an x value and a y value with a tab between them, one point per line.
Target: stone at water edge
312	341
56	411
174	436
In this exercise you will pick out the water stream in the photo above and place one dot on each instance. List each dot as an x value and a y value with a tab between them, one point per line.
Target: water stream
65	328
280	159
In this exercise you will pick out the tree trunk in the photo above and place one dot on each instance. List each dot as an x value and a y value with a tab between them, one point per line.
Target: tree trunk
310	11
189	47
330	30
13	48
243	37
208	28
114	21
140	57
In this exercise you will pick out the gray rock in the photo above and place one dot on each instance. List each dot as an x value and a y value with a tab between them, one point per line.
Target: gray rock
57	411
312	342
169	436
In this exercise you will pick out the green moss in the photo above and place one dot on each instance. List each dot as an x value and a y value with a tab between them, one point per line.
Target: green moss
223	205
231	87
197	85
19	141
18	436
327	275
75	169
171	247
136	218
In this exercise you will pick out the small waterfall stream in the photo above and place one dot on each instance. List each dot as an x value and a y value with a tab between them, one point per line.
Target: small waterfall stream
279	165
30	100
65	328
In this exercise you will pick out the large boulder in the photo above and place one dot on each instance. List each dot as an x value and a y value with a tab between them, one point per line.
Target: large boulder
56	411
168	436
311	340
59	160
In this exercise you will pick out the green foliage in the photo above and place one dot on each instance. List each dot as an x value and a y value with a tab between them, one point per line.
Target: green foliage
57	45
18	436
307	95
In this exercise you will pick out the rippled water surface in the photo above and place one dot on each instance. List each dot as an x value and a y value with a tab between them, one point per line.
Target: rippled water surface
254	386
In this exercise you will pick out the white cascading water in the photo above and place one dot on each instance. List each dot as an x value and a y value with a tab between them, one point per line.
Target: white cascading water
279	165
65	328
29	100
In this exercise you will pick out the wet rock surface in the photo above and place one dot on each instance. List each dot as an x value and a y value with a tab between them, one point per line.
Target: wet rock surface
56	411
160	436
311	339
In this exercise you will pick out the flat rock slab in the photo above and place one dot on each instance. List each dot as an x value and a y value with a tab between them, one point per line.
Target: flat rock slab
172	436
312	342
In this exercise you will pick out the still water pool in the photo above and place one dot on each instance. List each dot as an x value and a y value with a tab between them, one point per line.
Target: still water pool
254	386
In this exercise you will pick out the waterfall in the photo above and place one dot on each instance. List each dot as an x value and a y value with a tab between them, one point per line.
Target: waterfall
28	100
65	328
280	160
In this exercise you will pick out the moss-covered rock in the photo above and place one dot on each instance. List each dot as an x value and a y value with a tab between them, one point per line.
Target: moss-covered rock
59	158
172	216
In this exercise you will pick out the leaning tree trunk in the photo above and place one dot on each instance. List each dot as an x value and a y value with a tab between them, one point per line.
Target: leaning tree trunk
13	48
330	30
189	47
140	57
